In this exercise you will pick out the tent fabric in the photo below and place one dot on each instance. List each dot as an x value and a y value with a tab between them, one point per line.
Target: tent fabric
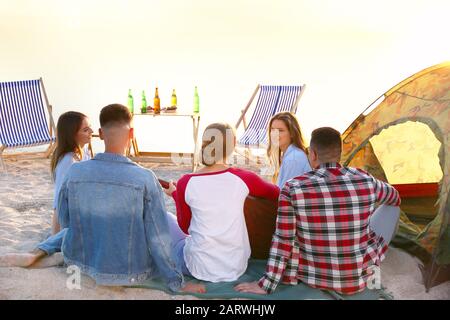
405	139
413	190
256	268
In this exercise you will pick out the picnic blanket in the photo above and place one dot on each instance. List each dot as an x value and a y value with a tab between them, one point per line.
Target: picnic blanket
256	268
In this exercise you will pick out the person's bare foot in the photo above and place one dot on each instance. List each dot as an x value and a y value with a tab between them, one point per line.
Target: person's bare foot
18	259
54	260
194	288
24	260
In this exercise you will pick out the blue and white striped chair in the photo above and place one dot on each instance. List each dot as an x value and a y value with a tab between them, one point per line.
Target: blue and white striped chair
23	122
271	100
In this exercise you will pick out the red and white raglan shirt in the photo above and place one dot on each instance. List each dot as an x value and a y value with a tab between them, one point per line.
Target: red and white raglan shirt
210	208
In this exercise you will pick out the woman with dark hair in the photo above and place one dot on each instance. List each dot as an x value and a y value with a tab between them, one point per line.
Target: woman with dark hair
286	151
73	133
211	238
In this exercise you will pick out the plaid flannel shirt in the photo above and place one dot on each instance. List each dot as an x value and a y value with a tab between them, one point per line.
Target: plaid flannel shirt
322	235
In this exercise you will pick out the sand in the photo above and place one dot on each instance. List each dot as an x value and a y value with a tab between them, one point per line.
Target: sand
26	195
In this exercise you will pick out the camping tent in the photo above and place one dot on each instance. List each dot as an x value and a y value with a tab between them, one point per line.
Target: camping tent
404	138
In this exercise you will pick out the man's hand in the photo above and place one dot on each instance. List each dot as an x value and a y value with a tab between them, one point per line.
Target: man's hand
171	189
249	287
194	288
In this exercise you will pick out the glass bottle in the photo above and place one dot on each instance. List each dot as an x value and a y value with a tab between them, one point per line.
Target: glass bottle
156	102
196	108
130	102
144	103
173	99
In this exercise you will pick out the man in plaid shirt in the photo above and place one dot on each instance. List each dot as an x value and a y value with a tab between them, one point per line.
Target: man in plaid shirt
328	233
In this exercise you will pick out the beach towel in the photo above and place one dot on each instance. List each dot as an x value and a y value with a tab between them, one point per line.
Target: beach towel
256	268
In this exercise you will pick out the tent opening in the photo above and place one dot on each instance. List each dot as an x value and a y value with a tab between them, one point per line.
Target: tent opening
407	156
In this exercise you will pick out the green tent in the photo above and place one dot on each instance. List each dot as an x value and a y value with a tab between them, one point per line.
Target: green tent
404	138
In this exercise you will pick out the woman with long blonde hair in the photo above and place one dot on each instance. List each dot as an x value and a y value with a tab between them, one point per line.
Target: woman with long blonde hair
286	151
211	239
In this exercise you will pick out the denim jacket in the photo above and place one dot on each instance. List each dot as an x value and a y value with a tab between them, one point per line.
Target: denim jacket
118	232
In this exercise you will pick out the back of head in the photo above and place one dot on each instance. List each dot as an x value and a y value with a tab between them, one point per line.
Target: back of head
116	130
115	115
327	143
217	143
66	130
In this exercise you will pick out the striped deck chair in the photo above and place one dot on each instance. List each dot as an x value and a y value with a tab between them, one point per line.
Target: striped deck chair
271	100
23	122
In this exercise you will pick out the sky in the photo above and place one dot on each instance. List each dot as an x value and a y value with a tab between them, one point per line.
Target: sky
347	52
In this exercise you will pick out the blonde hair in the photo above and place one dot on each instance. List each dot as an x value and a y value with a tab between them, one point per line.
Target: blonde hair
273	153
209	140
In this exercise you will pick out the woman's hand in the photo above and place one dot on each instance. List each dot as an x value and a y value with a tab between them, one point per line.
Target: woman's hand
171	189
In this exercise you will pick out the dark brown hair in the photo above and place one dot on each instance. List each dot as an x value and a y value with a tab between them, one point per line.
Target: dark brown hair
209	138
115	114
326	142
66	130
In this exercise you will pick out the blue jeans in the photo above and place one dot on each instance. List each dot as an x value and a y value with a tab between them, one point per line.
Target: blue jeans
54	243
178	238
384	222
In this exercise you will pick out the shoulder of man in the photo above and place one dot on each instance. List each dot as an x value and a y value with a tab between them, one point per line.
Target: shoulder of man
302	180
148	178
137	170
358	171
361	172
146	173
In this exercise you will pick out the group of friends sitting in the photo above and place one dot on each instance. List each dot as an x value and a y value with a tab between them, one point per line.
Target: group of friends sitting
110	217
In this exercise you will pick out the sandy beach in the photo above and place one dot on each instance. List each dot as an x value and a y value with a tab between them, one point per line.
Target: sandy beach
26	195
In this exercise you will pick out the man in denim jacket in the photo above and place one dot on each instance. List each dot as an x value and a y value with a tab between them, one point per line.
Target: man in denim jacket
115	214
114	217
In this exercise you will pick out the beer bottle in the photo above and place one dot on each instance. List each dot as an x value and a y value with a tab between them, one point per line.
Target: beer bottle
196	102
156	102
144	103
130	101
173	99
